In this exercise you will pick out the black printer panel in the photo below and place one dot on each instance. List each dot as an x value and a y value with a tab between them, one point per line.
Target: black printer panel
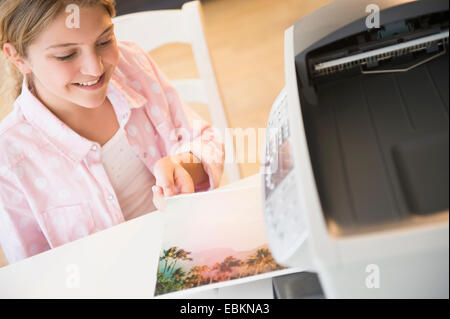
379	145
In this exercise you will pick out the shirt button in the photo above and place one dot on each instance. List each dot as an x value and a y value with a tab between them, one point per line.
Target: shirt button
110	197
94	147
145	155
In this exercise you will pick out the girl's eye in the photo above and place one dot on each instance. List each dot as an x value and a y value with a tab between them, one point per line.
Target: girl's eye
103	44
67	57
64	58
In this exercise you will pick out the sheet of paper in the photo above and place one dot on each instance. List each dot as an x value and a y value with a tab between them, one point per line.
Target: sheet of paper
214	239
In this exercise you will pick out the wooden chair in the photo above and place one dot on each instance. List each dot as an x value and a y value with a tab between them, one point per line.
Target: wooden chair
153	29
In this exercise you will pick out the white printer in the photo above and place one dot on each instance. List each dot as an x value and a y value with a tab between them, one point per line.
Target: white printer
356	164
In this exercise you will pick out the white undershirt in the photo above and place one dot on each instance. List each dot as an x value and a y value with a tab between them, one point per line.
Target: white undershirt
131	179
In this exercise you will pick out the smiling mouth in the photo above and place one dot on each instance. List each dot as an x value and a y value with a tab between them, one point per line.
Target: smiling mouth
89	83
92	85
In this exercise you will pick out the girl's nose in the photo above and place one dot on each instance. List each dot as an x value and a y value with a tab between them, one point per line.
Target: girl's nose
92	65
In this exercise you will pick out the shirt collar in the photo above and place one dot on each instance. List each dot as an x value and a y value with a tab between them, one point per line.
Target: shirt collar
73	145
132	97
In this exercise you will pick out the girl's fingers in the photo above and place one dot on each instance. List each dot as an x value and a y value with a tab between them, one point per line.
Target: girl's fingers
158	198
163	172
183	180
171	179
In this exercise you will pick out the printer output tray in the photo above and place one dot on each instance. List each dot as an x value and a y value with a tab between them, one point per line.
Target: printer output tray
379	145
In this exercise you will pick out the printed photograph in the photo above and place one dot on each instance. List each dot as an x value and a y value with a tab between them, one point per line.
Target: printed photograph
216	241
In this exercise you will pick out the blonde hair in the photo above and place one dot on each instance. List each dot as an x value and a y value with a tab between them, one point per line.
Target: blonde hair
21	22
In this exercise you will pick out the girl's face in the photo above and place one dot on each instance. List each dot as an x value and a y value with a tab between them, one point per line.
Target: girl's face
72	66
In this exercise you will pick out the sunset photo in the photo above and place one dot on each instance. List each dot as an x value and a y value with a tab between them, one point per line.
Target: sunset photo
211	246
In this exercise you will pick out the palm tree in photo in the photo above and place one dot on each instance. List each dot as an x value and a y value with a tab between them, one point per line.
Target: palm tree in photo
260	260
201	271
194	276
215	269
167	256
179	254
252	264
228	264
178	275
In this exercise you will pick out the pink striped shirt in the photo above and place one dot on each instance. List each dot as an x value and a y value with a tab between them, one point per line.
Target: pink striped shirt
53	186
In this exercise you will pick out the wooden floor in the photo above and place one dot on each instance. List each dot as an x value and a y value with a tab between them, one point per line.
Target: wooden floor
245	39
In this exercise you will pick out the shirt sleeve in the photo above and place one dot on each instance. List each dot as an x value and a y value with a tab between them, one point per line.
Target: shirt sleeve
190	132
20	234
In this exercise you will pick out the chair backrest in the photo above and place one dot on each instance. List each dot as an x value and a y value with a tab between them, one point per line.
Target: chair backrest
153	29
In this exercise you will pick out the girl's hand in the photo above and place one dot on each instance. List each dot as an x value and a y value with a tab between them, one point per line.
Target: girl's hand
171	179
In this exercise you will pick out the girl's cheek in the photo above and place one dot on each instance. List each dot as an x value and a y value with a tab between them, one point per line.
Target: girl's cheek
112	55
67	75
55	74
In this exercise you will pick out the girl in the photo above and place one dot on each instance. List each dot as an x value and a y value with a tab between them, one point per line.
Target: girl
97	135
